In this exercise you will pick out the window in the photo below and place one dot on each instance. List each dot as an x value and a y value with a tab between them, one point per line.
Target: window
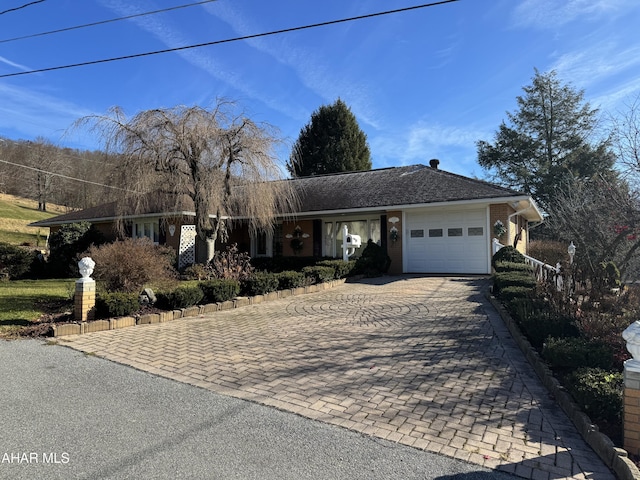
475	231
369	229
417	233
454	232
262	244
147	229
435	232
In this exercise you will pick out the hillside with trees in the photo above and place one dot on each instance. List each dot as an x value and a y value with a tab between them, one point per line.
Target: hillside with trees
49	174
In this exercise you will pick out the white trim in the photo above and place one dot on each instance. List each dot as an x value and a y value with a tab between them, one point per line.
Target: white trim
405	264
489	238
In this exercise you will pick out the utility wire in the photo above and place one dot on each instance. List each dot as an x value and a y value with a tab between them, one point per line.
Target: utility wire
21	7
229	40
66	176
102	22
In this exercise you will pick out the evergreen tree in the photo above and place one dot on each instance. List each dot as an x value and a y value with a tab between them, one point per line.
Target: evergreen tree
331	142
547	143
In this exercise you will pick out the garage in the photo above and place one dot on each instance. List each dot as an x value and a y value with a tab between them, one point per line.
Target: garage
447	241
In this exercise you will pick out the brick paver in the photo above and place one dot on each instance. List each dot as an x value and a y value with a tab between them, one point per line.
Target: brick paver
423	361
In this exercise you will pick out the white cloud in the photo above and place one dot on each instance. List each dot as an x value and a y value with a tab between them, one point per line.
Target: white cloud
33	114
314	74
455	146
553	13
13	64
596	62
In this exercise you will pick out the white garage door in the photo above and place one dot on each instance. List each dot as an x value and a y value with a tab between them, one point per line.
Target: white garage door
447	242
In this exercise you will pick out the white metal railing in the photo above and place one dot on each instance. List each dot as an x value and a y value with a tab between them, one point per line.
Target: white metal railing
542	271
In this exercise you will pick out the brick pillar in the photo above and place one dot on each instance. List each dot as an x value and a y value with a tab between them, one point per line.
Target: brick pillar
85	299
631	405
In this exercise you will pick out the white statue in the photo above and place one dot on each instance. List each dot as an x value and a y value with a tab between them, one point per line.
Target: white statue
632	337
86	266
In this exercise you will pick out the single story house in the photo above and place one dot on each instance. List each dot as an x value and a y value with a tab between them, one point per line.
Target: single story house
428	220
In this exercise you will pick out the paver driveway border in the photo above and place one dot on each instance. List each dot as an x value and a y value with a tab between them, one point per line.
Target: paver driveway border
423	361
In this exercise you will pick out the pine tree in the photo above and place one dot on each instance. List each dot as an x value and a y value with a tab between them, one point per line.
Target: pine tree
331	142
547	143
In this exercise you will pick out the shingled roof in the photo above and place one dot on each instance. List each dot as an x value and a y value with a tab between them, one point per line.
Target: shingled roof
395	186
371	189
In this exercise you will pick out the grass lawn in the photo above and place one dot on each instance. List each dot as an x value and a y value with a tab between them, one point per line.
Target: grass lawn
23	301
16	213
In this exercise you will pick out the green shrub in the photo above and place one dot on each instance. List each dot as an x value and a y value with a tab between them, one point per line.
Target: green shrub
513	279
128	265
540	325
182	297
319	274
15	262
507	294
576	352
291	279
116	304
504	266
219	290
259	283
597	392
507	254
67	243
373	261
341	268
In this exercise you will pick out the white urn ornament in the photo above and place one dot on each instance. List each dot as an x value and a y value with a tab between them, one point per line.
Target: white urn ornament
632	336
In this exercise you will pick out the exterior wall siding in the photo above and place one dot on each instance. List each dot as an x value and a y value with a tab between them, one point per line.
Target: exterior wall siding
307	243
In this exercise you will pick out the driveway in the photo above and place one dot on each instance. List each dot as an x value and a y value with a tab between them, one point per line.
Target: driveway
425	362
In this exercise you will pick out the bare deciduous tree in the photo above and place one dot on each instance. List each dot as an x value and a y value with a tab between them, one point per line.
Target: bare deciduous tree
45	161
602	217
219	158
626	139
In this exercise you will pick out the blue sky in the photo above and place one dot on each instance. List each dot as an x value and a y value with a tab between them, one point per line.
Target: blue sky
426	83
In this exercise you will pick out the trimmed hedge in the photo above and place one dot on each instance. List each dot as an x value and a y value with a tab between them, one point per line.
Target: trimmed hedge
575	352
319	274
504	266
597	392
513	279
219	290
507	254
510	293
541	325
341	268
291	279
259	283
182	297
116	304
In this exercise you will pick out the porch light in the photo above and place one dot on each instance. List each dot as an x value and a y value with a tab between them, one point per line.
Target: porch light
571	251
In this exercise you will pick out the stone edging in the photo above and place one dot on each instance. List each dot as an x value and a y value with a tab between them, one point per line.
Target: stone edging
77	328
617	459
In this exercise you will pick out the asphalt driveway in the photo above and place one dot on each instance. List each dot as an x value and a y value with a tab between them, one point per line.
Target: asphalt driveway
424	362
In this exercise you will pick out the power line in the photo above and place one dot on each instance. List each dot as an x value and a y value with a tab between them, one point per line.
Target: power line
229	40
66	176
21	7
102	22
